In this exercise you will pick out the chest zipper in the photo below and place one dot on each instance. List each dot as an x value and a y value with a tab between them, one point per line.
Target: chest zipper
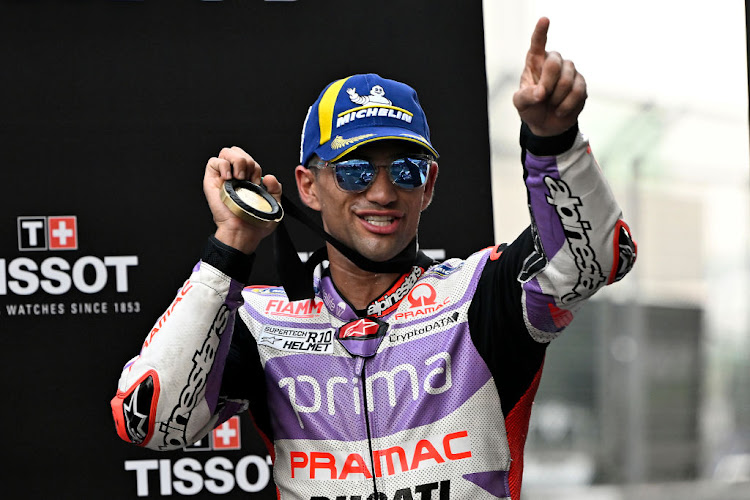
361	373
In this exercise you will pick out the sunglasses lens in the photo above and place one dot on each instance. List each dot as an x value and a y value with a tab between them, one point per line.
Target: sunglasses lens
357	175
354	175
410	173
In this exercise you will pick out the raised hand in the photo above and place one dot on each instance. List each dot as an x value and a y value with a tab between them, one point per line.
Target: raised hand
552	92
235	163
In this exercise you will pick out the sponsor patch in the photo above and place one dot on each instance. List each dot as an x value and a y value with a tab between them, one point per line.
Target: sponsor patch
566	205
362	329
356	465
298	309
444	270
297	339
362	337
433	326
423	301
390	299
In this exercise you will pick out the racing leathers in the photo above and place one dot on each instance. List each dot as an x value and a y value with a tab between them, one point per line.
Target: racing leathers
424	394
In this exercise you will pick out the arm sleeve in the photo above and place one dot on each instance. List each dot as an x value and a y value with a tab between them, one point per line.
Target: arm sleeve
581	242
530	290
168	396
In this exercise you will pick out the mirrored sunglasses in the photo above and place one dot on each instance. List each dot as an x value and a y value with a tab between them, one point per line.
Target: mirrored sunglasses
356	175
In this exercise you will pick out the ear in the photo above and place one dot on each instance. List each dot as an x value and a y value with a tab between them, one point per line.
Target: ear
307	187
429	186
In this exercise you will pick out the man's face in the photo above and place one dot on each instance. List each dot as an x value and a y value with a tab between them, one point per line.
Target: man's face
380	221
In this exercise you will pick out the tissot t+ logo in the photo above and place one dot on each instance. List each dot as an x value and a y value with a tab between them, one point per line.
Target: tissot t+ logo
224	437
48	233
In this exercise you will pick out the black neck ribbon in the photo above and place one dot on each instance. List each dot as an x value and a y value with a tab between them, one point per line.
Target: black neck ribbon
297	278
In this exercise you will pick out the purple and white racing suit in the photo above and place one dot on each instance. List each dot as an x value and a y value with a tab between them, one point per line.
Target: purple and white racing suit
425	394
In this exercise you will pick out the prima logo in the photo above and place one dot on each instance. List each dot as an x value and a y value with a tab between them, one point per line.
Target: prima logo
307	394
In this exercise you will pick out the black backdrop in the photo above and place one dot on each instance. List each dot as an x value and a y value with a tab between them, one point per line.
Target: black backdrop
108	113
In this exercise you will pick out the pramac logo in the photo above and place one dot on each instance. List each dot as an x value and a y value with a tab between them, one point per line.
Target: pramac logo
422	295
423	301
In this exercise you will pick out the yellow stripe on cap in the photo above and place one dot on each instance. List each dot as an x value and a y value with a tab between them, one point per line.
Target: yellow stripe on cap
325	109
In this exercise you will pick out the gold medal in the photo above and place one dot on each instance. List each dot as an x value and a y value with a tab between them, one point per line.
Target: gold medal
250	202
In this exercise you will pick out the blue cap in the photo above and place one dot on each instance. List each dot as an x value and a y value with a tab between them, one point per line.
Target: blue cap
360	109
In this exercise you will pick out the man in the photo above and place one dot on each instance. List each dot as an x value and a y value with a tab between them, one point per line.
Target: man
403	378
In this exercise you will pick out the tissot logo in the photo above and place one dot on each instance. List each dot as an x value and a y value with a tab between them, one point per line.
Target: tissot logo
191	475
47	233
56	274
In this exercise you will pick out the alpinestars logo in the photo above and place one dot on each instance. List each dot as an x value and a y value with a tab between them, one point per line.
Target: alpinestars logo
175	428
361	329
625	252
137	410
590	274
390	299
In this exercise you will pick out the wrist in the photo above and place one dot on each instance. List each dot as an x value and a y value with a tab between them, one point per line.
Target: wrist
236	264
240	239
547	145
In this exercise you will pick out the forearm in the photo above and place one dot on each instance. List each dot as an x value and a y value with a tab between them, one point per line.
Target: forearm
168	395
583	242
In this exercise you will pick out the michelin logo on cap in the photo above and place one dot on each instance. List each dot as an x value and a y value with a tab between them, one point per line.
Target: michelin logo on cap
369	108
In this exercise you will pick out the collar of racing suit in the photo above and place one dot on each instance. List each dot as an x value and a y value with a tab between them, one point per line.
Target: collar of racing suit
297	278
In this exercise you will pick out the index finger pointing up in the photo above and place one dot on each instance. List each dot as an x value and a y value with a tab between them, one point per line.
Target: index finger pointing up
539	37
